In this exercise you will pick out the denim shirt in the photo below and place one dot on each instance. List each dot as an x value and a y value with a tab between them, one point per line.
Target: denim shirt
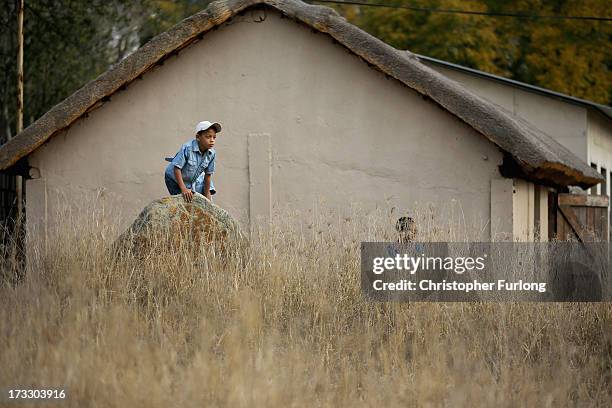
193	164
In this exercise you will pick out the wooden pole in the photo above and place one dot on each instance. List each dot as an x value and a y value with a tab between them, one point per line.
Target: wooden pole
18	179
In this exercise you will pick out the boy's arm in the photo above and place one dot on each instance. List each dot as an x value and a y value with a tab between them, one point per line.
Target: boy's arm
187	194
206	190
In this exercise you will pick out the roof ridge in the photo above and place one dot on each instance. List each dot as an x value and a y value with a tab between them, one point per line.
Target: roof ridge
523	142
605	109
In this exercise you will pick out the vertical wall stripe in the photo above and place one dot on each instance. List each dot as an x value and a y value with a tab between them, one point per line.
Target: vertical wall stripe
46	220
502	212
260	180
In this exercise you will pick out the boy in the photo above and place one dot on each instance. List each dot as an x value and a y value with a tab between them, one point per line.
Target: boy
406	230
195	158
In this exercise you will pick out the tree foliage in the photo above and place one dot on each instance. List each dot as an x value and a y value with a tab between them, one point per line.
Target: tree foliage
569	56
65	44
69	42
163	14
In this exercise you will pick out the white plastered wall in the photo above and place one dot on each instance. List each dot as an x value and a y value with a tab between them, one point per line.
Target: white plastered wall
565	122
530	212
600	150
519	211
600	146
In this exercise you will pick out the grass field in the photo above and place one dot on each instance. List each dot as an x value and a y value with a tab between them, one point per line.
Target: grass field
282	325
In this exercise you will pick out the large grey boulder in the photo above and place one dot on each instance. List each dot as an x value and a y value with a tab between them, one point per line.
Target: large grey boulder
172	222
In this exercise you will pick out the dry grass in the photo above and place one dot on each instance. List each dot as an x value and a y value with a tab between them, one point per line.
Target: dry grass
285	325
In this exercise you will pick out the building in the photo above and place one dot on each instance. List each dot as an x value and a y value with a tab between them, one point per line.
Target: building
311	106
584	127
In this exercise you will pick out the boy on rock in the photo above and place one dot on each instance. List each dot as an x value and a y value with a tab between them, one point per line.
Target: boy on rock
191	169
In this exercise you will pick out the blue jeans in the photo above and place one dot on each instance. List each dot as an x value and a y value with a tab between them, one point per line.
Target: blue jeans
173	187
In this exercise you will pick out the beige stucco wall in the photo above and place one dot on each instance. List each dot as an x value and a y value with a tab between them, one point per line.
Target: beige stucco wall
565	122
519	211
599	133
523	210
530	212
324	124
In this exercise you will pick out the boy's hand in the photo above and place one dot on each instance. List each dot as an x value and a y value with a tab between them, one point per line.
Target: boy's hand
187	195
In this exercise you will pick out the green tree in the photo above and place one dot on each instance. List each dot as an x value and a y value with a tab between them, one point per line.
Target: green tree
163	14
70	42
569	56
66	44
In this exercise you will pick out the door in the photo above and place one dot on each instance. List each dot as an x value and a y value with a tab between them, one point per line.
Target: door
574	217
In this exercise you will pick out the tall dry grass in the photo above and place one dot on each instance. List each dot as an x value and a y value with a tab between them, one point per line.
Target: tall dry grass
282	325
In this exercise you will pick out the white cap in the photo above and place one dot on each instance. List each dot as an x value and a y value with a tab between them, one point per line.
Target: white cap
206	124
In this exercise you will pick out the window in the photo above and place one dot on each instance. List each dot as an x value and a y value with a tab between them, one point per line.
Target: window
594	189
604	183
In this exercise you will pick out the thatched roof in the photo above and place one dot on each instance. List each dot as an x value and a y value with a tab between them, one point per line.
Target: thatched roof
604	109
534	155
